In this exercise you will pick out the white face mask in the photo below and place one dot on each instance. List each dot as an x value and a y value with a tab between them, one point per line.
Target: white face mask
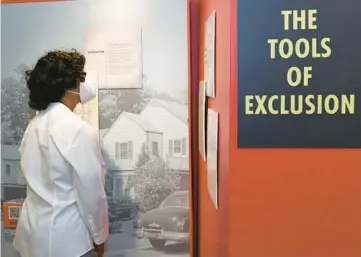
87	92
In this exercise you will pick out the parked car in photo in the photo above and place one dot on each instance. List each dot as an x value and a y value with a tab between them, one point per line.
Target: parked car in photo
120	212
169	222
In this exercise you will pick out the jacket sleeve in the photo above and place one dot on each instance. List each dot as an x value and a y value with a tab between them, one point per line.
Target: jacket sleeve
85	157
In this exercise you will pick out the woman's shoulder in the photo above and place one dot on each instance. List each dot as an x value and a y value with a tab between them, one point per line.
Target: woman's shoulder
65	124
62	114
79	127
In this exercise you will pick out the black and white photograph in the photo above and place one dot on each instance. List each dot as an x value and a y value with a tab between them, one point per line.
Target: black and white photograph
143	128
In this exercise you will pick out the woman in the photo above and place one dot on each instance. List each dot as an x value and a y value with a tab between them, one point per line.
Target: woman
66	209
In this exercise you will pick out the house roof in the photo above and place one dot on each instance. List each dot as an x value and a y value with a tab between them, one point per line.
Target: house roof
177	109
102	133
142	122
10	152
136	118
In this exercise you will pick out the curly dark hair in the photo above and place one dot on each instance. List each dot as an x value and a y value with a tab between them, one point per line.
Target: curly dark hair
53	75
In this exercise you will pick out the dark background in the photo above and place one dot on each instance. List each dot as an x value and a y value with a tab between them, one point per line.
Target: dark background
260	20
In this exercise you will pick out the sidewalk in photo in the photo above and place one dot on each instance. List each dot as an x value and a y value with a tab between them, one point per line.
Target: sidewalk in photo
145	251
138	253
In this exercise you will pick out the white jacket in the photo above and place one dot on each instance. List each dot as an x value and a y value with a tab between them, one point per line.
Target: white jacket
66	207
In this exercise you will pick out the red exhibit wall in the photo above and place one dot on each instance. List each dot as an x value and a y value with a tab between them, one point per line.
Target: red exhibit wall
273	202
291	202
213	235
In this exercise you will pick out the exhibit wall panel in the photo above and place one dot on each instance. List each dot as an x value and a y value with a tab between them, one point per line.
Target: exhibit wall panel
290	202
145	126
193	55
213	223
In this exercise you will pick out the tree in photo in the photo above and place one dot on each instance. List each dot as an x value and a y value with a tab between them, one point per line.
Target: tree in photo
15	112
144	96
151	184
110	106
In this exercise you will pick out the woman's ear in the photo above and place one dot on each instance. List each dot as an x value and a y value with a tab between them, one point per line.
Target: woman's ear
82	77
77	87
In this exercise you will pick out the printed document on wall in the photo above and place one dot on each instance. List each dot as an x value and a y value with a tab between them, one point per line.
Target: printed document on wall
202	120
117	56
89	111
209	54
212	155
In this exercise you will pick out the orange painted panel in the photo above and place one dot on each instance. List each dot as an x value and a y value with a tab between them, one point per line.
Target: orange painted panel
291	202
11	212
213	223
273	202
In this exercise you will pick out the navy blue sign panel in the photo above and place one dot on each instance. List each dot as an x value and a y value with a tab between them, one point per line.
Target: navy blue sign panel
299	73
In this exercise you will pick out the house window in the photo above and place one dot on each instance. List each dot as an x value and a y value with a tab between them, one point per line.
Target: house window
155	149
8	170
124	151
178	147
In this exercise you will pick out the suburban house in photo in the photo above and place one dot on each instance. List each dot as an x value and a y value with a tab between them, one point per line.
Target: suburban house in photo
13	184
122	144
161	128
172	119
